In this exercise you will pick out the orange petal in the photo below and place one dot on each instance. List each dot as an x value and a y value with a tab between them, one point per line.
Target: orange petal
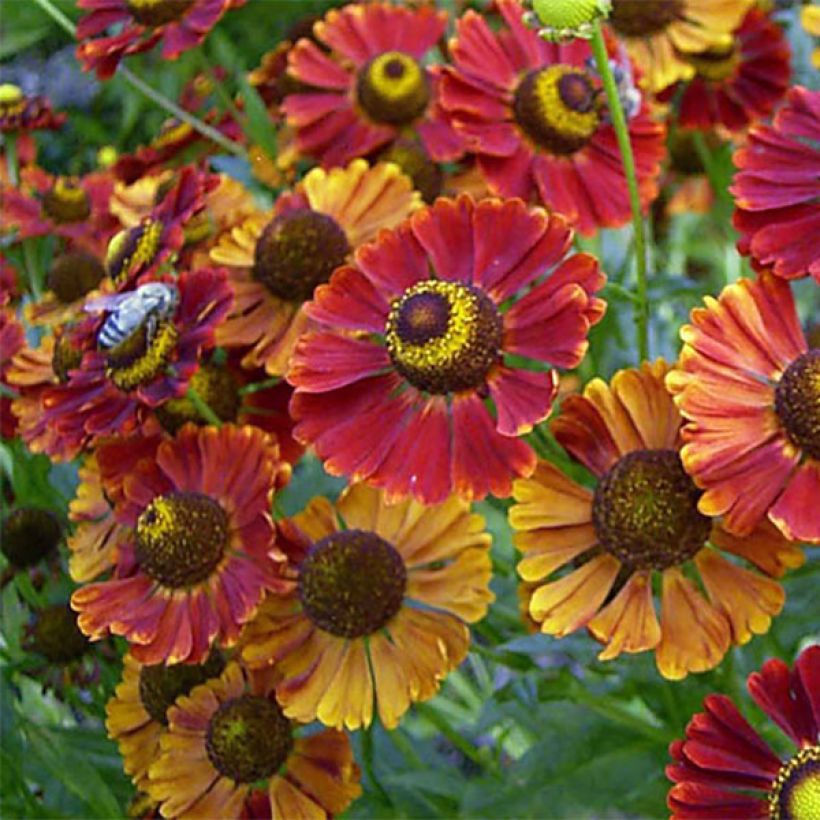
567	604
765	547
748	600
549	549
287	802
628	623
694	635
549	499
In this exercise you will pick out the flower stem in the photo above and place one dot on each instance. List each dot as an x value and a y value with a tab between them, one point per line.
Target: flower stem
367	755
219	88
203	408
32	268
155	96
11	159
628	158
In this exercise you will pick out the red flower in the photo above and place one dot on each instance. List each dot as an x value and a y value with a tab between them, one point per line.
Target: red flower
776	189
12	340
202	550
112	389
415	341
725	769
530	111
73	208
738	83
19	112
371	87
179	24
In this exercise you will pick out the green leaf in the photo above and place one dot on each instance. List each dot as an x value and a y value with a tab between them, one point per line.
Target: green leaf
259	124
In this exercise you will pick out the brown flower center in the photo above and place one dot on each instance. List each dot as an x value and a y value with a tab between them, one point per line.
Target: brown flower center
133	248
67	355
66	202
414	161
29	535
640	18
645	511
161	685
556	107
795	794
297	251
249	738
352	583
181	538
158	12
797	402
218	389
56	635
717	63
142	355
444	336
73	274
392	88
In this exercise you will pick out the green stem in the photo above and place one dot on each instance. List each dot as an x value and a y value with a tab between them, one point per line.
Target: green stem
155	96
622	133
220	89
32	269
367	755
610	708
203	408
255	387
11	159
464	746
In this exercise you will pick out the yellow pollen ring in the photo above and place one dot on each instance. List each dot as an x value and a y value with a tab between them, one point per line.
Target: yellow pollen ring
395	76
149	364
10	95
162	522
796	791
444	349
120	261
555	113
69	191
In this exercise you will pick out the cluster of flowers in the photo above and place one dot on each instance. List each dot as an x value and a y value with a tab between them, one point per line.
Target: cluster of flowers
401	311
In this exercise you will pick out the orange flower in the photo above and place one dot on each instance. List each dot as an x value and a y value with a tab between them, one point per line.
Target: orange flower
641	520
277	259
381	606
749	388
228	735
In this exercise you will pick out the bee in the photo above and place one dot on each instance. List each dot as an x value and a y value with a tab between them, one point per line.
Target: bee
148	304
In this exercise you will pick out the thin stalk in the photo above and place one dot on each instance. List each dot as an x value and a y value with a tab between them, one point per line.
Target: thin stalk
155	96
31	268
610	708
11	159
219	87
367	755
628	158
203	408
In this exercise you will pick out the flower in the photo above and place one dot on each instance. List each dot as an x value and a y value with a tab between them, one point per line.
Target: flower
640	521
775	189
277	259
532	113
413	341
12	341
736	83
179	25
230	733
202	550
112	389
380	608
559	20
20	112
371	87
659	34
73	208
749	388
724	768
136	715
30	535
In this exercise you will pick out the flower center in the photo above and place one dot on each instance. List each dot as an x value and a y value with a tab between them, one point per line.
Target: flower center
297	251
161	685
56	635
67	355
638	18
249	738
443	336
796	791
133	248
392	88
66	202
12	100
410	156
181	538
556	108
352	583
157	12
29	535
142	355
73	274
645	511
797	402
218	389
716	63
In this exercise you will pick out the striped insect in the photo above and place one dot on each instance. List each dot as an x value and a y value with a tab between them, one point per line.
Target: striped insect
148	304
